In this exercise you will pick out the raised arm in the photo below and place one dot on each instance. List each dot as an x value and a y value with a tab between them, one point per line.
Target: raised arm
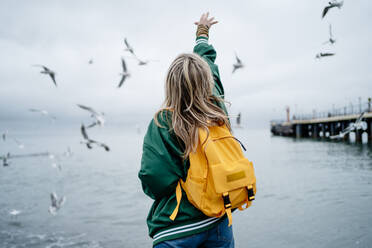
202	35
208	53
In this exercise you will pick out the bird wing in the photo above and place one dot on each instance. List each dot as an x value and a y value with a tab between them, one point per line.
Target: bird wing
237	59
348	129
360	118
92	125
325	11
53	198
123	65
103	145
126	43
84	132
91	110
52	75
34	110
121	81
17	141
43	66
62	201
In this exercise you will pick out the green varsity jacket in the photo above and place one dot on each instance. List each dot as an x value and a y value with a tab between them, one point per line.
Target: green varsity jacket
162	166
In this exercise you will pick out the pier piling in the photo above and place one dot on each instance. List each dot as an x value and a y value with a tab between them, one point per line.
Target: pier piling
298	131
328	125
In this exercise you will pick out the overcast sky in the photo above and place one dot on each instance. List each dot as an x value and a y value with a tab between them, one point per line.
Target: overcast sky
276	40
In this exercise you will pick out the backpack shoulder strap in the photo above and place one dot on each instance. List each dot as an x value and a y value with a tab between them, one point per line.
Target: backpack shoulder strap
178	197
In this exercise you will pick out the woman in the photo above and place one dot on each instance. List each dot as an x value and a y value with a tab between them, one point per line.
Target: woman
194	99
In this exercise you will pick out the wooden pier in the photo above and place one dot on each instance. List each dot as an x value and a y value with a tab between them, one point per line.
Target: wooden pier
322	127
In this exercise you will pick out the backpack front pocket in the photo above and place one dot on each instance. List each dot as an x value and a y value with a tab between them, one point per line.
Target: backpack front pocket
229	176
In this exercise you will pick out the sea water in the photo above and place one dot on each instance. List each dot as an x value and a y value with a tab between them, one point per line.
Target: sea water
310	193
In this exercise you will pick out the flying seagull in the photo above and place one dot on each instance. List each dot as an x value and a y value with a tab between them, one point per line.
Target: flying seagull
68	152
358	124
56	203
332	5
4	134
128	47
99	120
43	112
51	73
55	164
19	144
89	142
238	119
5	159
238	64
14	212
331	40
124	74
321	55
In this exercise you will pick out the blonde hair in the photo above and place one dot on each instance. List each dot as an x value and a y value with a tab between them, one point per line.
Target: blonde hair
188	95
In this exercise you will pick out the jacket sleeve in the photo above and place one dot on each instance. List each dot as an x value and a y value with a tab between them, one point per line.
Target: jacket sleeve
161	165
208	53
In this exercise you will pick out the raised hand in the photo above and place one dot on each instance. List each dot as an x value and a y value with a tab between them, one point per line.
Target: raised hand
204	20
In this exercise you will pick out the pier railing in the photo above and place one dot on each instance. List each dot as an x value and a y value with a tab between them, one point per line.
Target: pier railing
349	109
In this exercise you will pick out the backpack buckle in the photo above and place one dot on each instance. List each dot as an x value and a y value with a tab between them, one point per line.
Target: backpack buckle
251	196
226	200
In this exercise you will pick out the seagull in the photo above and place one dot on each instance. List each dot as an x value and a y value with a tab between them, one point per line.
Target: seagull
14	212
4	134
143	62
238	64
124	74
19	144
57	166
332	5
56	203
238	119
43	112
358	124
68	153
5	160
51	73
320	55
331	40
99	120
89	142
90	61
129	48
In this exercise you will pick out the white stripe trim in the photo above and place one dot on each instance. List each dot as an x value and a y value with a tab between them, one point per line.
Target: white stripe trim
185	226
202	41
197	43
186	230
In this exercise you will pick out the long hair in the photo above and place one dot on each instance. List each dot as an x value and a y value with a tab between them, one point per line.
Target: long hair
188	95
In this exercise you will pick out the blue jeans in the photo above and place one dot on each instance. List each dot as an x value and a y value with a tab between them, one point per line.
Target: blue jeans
221	236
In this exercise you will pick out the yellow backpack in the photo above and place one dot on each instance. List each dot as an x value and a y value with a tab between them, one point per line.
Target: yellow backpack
220	178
